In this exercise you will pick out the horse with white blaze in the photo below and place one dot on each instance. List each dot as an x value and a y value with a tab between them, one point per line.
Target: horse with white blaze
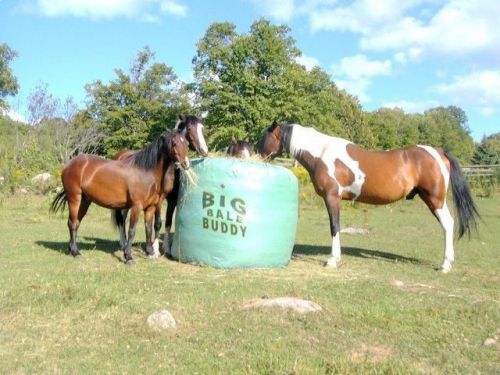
342	170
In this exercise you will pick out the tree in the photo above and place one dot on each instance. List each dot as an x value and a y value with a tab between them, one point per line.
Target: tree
8	82
449	132
488	151
136	107
247	81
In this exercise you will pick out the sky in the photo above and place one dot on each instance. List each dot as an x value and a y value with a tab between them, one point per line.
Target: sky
411	54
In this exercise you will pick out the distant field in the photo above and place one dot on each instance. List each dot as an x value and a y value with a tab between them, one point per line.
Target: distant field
385	310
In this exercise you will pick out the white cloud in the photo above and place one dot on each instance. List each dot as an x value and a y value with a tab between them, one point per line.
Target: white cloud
480	89
358	66
309	62
357	88
145	10
282	10
172	7
411	106
416	28
354	74
13	115
488	111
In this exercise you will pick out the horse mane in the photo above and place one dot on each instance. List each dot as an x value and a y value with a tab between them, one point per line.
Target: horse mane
150	156
286	136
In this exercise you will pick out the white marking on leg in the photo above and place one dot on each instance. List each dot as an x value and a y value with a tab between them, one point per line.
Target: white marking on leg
156	248
446	221
166	242
334	259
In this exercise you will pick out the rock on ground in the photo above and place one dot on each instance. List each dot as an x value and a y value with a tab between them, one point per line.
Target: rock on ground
351	230
161	320
299	305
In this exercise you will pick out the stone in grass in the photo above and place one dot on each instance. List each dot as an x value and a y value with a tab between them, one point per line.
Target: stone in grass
296	304
161	320
351	230
490	341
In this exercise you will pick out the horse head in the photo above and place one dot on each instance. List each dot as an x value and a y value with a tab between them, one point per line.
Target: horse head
270	144
177	149
239	149
193	129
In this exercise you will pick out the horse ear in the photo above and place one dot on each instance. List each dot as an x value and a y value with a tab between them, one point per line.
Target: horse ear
233	140
181	117
273	126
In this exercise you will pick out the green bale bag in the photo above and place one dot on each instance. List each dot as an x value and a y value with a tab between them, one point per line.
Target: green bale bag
236	214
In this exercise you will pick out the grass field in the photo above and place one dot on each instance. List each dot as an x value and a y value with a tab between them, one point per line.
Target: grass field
385	310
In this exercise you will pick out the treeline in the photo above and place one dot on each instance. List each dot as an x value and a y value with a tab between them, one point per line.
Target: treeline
242	82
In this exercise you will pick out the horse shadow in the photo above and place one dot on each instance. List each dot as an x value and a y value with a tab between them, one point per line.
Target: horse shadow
91	244
302	249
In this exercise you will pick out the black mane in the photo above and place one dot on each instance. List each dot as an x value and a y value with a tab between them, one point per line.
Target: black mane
150	156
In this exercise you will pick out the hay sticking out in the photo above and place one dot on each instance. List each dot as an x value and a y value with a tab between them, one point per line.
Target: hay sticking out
190	176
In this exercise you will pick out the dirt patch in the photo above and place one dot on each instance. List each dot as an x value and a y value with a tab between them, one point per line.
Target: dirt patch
373	353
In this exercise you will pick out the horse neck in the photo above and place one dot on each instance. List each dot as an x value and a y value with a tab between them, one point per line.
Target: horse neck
306	145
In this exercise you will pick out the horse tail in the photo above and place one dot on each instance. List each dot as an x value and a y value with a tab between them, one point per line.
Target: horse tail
464	205
116	218
59	201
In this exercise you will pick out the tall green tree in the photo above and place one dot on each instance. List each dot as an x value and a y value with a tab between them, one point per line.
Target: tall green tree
8	82
488	151
136	106
247	81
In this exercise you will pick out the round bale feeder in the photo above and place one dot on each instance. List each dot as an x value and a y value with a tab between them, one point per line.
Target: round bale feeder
236	214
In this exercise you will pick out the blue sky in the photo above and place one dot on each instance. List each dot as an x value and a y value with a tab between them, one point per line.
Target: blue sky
414	54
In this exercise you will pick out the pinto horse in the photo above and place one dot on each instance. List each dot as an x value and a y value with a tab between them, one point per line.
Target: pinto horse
340	169
239	149
193	129
136	183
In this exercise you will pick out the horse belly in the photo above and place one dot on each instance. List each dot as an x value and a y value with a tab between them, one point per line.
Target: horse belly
108	191
383	193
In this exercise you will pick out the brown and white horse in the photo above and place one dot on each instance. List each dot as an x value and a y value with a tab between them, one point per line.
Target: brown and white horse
193	129
340	169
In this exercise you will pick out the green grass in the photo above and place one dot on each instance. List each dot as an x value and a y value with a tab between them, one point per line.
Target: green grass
385	310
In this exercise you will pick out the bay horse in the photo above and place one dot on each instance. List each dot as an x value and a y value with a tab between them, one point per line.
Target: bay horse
340	169
136	183
193	129
239	149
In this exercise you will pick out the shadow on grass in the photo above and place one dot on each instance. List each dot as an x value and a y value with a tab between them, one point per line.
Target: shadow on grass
88	244
355	252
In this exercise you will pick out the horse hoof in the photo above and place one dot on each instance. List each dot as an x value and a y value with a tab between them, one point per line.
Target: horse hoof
153	256
332	262
445	269
130	262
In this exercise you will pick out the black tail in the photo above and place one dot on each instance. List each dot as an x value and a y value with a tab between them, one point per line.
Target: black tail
117	218
59	201
465	207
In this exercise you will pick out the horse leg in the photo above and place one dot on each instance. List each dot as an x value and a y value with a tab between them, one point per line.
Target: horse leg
148	222
77	209
172	202
332	202
157	226
127	251
446	220
121	220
